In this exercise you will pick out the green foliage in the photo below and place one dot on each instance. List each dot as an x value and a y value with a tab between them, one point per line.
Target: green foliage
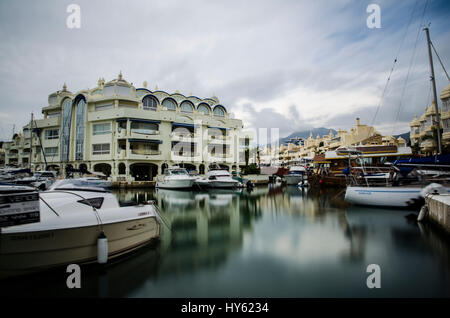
251	169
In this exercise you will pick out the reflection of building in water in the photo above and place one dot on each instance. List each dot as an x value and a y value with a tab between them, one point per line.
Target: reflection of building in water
204	227
290	200
438	241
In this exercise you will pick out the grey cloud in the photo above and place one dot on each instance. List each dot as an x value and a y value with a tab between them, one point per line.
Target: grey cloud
256	50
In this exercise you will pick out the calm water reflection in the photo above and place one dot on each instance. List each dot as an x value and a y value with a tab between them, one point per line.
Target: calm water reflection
271	242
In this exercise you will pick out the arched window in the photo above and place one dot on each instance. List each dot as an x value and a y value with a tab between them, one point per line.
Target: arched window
203	108
170	104
186	107
149	103
219	111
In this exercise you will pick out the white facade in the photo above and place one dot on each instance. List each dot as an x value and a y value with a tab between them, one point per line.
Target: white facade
130	134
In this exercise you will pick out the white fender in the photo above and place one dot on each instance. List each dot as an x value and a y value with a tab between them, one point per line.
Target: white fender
423	213
102	249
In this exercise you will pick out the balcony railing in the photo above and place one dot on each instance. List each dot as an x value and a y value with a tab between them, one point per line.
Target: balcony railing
145	132
184	154
146	153
218	137
182	134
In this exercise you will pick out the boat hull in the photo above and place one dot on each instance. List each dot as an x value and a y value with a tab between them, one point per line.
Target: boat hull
293	180
223	184
26	252
383	196
175	184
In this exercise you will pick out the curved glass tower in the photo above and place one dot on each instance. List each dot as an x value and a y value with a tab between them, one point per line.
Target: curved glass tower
65	129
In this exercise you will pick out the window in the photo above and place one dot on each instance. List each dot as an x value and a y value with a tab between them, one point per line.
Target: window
108	91
52	134
97	92
123	90
127	105
186	107
51	151
144	148
219	111
446	105
169	104
446	124
203	108
80	127
53	114
149	103
52	100
26	133
100	149
101	107
144	128
65	128
102	129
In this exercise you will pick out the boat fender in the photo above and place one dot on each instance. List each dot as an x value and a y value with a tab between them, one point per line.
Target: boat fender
102	248
423	213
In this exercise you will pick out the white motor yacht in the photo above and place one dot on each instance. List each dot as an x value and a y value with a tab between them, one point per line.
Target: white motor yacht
93	182
72	217
176	178
217	178
40	179
296	175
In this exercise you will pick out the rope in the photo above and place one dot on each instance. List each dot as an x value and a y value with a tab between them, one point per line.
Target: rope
393	65
409	70
442	64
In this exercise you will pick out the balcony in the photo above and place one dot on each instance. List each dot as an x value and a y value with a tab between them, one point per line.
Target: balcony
219	139
149	155
48	122
223	157
122	154
122	133
143	133
182	136
187	155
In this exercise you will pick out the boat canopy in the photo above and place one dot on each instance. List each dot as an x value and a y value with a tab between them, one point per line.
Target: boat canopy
348	151
430	160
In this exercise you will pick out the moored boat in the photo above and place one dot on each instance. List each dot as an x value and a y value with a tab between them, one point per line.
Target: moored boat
176	178
217	178
296	175
402	196
72	217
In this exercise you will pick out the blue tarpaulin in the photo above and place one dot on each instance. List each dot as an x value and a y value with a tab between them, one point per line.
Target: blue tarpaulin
430	160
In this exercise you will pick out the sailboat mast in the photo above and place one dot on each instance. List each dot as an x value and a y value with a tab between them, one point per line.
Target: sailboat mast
436	108
31	140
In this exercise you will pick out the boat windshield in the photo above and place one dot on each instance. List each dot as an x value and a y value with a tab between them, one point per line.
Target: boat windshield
70	184
178	172
296	172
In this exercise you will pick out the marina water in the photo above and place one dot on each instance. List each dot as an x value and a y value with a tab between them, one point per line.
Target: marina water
273	241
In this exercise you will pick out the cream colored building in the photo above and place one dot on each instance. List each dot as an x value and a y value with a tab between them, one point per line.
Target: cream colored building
307	148
130	133
422	128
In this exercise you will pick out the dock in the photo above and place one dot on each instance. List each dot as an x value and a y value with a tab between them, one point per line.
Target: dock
439	210
132	184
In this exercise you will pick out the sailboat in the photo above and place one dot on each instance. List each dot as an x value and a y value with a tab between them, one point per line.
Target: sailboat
409	182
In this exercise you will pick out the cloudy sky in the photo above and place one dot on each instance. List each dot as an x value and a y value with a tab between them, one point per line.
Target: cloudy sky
294	64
